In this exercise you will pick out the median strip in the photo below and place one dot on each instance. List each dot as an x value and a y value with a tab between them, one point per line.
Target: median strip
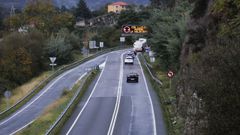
39	87
56	114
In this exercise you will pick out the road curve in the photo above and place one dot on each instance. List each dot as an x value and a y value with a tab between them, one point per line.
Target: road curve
30	111
114	107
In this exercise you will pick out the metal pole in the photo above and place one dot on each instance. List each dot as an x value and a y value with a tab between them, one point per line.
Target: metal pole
7	102
170	84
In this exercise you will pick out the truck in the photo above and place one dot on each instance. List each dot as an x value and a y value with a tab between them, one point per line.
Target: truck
140	44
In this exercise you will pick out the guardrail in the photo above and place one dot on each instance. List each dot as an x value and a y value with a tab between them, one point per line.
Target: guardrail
157	85
38	88
147	65
54	129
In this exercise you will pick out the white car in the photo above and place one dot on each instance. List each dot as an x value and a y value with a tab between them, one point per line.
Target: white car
128	60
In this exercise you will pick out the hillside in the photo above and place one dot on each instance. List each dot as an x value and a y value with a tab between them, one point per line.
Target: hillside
93	4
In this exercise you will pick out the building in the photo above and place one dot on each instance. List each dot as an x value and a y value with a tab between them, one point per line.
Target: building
117	7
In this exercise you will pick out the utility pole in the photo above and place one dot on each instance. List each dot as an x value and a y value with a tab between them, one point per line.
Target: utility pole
12	12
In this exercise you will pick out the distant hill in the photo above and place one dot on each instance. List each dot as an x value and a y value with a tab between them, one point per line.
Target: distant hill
92	4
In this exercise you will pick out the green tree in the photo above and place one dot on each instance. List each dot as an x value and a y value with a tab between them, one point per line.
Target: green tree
1	18
82	10
59	47
21	56
167	30
156	3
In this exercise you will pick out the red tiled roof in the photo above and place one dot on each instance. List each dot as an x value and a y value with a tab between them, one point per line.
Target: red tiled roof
120	3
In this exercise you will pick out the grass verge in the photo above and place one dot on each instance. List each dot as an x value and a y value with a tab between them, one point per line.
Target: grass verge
167	98
54	110
24	100
23	90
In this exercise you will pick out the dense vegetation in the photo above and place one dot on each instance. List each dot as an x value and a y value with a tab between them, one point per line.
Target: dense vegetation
205	52
47	31
167	33
209	68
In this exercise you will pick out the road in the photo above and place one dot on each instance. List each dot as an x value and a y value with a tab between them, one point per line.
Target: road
30	111
114	107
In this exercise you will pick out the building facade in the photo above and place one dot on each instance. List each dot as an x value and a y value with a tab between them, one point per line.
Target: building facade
117	7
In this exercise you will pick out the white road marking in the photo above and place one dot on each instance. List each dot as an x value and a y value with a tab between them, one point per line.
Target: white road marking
36	118
119	95
149	96
85	105
47	90
80	78
131	121
37	97
22	127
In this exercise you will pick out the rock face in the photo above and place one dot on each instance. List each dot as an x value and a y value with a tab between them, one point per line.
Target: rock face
201	32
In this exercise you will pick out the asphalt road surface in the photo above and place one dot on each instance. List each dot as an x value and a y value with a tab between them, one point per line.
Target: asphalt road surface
30	111
115	107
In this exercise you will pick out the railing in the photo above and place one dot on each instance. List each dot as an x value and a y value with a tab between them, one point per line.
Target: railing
147	65
40	86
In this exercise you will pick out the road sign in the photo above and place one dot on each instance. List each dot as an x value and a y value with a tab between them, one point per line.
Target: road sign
92	44
122	39
152	59
126	29
53	64
134	29
170	74
52	59
101	44
147	49
151	53
7	94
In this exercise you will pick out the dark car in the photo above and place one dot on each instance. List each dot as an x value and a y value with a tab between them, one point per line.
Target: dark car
131	53
133	77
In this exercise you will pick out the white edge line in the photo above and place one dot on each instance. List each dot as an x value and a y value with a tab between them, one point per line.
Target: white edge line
150	99
44	93
80	113
117	105
80	78
22	127
131	121
3	122
36	97
36	119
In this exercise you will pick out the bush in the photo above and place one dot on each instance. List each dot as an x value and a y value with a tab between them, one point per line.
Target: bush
216	78
21	56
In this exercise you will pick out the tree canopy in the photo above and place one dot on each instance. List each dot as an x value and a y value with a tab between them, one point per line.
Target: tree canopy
82	10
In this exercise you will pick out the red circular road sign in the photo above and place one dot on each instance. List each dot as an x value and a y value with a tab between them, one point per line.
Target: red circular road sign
126	29
170	74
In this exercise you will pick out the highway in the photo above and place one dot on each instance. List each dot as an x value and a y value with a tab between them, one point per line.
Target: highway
114	107
30	111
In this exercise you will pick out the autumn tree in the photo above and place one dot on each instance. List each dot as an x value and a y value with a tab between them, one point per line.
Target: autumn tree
21	56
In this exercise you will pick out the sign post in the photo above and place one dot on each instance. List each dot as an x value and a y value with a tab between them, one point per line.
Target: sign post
53	59
170	75
152	57
101	45
7	95
122	40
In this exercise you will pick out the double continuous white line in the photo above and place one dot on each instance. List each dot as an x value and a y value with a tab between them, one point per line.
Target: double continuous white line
119	95
46	90
85	105
80	78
